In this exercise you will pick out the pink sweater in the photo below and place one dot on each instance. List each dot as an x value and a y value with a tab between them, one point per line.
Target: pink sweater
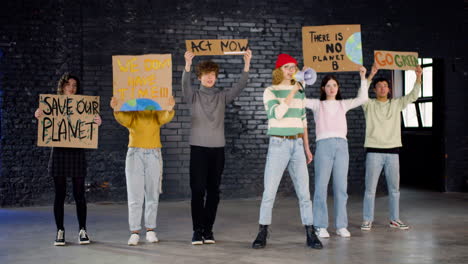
330	115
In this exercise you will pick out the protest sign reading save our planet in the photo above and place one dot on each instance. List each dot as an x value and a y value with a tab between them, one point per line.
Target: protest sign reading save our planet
68	121
142	82
332	48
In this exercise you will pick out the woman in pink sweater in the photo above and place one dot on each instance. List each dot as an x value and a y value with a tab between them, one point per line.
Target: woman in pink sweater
331	154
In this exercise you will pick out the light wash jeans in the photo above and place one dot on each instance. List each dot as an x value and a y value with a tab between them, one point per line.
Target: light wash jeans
331	156
284	153
391	164
143	171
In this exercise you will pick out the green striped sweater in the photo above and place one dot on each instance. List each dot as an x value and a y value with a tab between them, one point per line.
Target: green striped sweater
284	120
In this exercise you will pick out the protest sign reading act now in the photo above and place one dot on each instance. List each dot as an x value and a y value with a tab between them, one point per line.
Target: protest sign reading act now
217	46
68	121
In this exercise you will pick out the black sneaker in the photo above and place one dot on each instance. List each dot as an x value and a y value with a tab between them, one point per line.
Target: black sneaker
197	238
208	237
83	238
60	238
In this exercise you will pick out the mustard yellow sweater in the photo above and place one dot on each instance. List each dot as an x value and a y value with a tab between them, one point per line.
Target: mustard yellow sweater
144	126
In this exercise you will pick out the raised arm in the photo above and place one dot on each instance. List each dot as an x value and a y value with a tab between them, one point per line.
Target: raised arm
237	89
187	89
373	72
414	94
363	94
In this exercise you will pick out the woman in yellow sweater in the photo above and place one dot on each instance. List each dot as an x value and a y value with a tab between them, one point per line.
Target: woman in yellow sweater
143	166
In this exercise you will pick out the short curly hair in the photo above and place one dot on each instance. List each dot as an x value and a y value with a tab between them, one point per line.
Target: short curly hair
64	80
277	76
207	67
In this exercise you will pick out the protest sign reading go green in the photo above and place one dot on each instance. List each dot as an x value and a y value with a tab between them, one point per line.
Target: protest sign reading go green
395	60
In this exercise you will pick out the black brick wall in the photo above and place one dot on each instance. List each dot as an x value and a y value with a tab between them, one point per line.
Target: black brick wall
39	40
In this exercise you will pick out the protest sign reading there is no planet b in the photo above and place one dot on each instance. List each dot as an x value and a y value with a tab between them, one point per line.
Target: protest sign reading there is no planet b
68	121
334	48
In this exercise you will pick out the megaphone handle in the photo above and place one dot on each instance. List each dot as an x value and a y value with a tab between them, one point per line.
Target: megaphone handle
302	86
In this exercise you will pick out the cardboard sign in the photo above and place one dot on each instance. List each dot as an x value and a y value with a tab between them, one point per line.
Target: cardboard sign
395	60
332	48
142	82
67	121
217	46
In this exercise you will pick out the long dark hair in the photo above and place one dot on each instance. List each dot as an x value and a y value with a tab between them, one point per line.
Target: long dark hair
323	95
64	80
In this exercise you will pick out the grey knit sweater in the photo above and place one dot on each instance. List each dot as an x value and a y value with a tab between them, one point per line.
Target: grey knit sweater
207	110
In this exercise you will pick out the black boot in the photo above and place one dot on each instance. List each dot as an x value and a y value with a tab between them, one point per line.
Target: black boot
261	240
312	239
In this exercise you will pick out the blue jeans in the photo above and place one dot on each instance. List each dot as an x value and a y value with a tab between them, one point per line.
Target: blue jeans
284	153
331	156
143	171
391	165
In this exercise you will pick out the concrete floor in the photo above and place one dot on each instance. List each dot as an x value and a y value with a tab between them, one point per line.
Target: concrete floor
438	234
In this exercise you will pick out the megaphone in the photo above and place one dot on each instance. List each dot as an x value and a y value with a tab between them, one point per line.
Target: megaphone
309	76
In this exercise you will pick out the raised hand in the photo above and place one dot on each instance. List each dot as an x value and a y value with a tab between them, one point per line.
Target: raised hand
247	58
362	72
188	60
374	71
418	70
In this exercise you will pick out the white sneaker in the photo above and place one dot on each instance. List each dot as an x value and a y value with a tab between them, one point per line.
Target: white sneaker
343	232
366	225
398	224
322	232
60	238
133	240
151	236
83	238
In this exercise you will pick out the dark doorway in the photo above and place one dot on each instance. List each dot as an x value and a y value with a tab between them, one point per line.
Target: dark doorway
422	158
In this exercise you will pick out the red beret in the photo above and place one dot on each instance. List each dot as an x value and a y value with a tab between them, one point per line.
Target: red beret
284	59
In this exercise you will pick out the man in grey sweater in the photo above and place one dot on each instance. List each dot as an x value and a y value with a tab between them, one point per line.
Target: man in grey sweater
207	140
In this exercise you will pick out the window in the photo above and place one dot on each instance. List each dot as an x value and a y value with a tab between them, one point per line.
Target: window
419	113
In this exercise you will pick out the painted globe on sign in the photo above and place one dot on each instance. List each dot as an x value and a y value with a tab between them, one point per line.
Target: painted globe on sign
140	105
354	48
